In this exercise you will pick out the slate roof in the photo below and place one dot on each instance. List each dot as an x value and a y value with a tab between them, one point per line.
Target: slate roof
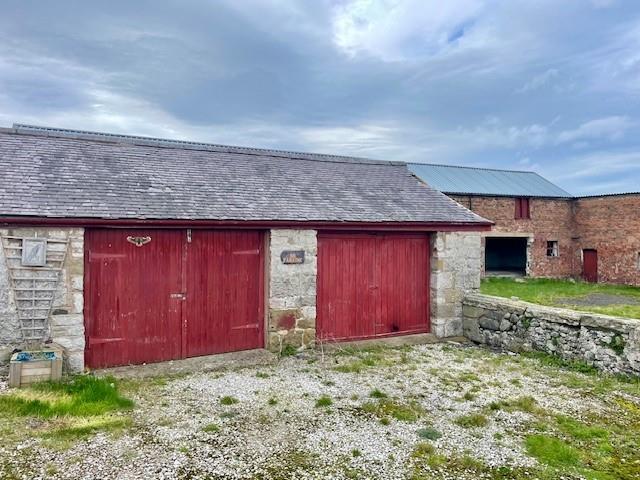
71	174
485	181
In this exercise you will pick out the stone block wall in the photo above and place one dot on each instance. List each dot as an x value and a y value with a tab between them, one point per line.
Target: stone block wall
455	270
609	343
292	290
66	322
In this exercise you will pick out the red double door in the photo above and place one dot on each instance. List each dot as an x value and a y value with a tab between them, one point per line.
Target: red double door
154	295
372	285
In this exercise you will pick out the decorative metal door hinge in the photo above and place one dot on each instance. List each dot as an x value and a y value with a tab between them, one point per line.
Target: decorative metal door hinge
139	241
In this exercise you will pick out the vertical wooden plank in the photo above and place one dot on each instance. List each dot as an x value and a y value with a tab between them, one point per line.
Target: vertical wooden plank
372	285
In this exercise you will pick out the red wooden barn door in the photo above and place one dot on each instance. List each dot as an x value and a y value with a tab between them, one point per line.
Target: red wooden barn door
132	313
154	295
224	292
372	285
590	265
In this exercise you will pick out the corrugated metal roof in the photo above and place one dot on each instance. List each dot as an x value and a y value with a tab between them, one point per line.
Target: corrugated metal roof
486	181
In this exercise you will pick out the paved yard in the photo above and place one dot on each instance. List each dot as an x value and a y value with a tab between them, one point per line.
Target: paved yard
431	411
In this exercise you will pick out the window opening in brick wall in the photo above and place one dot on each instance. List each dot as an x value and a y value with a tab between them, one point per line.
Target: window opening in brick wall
552	248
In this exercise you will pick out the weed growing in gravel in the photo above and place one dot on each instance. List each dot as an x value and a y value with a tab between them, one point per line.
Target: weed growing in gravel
228	400
469	396
385	407
429	433
526	404
262	375
549	360
272	401
473	420
324	401
377	394
288	350
211	428
422	449
356	453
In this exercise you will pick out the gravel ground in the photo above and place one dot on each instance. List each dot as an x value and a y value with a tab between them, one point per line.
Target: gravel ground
275	430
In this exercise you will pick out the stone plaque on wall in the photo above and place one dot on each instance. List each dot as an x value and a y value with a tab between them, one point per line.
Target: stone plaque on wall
34	252
292	257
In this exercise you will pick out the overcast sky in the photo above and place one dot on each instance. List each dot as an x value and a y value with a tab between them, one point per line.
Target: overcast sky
545	85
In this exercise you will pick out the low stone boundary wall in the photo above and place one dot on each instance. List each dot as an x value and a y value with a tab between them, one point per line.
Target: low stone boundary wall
609	343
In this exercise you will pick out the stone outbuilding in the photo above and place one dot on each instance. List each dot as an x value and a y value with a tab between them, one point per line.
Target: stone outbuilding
127	250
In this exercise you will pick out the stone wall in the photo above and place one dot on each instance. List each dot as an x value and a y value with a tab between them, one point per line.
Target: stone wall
610	225
292	290
66	323
551	219
609	343
455	270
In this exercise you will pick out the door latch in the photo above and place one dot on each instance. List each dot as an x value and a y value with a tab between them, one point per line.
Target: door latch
179	296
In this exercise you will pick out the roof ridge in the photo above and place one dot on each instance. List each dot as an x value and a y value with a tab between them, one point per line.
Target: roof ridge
476	168
25	129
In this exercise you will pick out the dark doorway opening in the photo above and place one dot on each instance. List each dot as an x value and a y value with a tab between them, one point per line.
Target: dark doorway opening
506	255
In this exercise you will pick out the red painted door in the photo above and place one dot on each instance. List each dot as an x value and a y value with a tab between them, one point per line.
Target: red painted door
372	285
132	313
590	265
178	294
224	292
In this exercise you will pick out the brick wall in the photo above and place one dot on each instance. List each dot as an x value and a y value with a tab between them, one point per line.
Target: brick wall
551	219
611	225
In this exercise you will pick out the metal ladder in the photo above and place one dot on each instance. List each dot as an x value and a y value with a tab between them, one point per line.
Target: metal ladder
34	288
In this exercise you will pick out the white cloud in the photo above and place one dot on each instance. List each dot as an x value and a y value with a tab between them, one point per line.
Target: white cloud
609	128
539	81
401	29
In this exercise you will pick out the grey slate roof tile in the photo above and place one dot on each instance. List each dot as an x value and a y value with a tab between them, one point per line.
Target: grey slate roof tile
53	173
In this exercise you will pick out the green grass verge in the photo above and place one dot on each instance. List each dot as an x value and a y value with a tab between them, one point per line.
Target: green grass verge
69	410
80	396
548	291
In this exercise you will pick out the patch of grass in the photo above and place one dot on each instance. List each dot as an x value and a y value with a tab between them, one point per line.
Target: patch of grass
549	360
377	394
211	428
80	396
549	291
469	396
552	451
422	449
272	401
88	426
429	433
579	430
262	375
386	407
472	420
228	400
356	453
288	350
324	401
526	404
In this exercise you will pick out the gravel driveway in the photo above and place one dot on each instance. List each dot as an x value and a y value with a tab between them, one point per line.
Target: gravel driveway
351	414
